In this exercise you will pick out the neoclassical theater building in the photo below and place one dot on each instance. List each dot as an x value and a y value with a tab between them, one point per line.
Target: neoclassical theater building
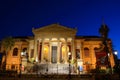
55	49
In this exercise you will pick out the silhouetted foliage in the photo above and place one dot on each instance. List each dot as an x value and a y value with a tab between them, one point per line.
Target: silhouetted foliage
117	68
7	43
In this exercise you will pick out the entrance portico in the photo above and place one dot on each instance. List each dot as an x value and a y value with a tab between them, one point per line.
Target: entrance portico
52	44
53	50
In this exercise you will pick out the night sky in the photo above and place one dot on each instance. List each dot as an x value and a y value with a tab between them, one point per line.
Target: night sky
18	17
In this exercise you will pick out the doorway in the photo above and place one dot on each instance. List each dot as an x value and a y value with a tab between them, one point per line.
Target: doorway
54	54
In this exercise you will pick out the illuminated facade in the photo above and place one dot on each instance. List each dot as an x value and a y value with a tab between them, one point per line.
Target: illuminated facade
52	49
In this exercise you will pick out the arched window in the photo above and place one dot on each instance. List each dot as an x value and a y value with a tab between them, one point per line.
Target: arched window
86	52
32	53
15	51
24	49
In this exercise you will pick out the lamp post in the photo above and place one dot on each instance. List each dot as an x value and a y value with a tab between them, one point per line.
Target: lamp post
20	64
115	57
69	57
20	70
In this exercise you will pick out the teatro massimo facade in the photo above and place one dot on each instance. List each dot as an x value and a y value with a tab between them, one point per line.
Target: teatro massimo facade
55	49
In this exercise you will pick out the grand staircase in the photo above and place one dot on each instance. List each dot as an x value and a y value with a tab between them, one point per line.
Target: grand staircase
53	68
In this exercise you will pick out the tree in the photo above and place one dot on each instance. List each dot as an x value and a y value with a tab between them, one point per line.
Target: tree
103	30
7	44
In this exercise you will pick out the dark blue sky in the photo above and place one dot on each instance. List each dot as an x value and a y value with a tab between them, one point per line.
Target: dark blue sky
17	17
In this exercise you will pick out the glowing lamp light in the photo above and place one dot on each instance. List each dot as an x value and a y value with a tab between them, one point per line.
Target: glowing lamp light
36	59
108	54
45	49
115	52
80	63
22	53
69	53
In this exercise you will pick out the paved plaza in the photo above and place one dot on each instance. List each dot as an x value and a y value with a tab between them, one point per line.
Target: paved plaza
62	77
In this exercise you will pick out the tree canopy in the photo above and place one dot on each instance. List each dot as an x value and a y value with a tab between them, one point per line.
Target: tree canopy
7	43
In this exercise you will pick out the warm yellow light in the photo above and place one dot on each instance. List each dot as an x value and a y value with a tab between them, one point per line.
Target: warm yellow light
80	63
45	49
63	48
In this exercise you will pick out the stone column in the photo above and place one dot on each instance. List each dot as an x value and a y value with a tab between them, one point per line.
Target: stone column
35	50
66	54
40	50
58	52
73	49
81	56
91	56
42	54
50	52
74	54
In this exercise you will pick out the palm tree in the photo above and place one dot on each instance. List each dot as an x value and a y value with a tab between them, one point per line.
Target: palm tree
7	44
103	30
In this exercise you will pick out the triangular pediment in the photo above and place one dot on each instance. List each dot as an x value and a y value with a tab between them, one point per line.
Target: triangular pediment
53	28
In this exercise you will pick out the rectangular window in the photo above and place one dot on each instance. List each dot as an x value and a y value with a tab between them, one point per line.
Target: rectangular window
13	67
32	53
77	53
86	53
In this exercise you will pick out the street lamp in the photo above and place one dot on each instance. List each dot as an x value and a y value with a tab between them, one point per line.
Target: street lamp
69	57
115	52
20	64
115	57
